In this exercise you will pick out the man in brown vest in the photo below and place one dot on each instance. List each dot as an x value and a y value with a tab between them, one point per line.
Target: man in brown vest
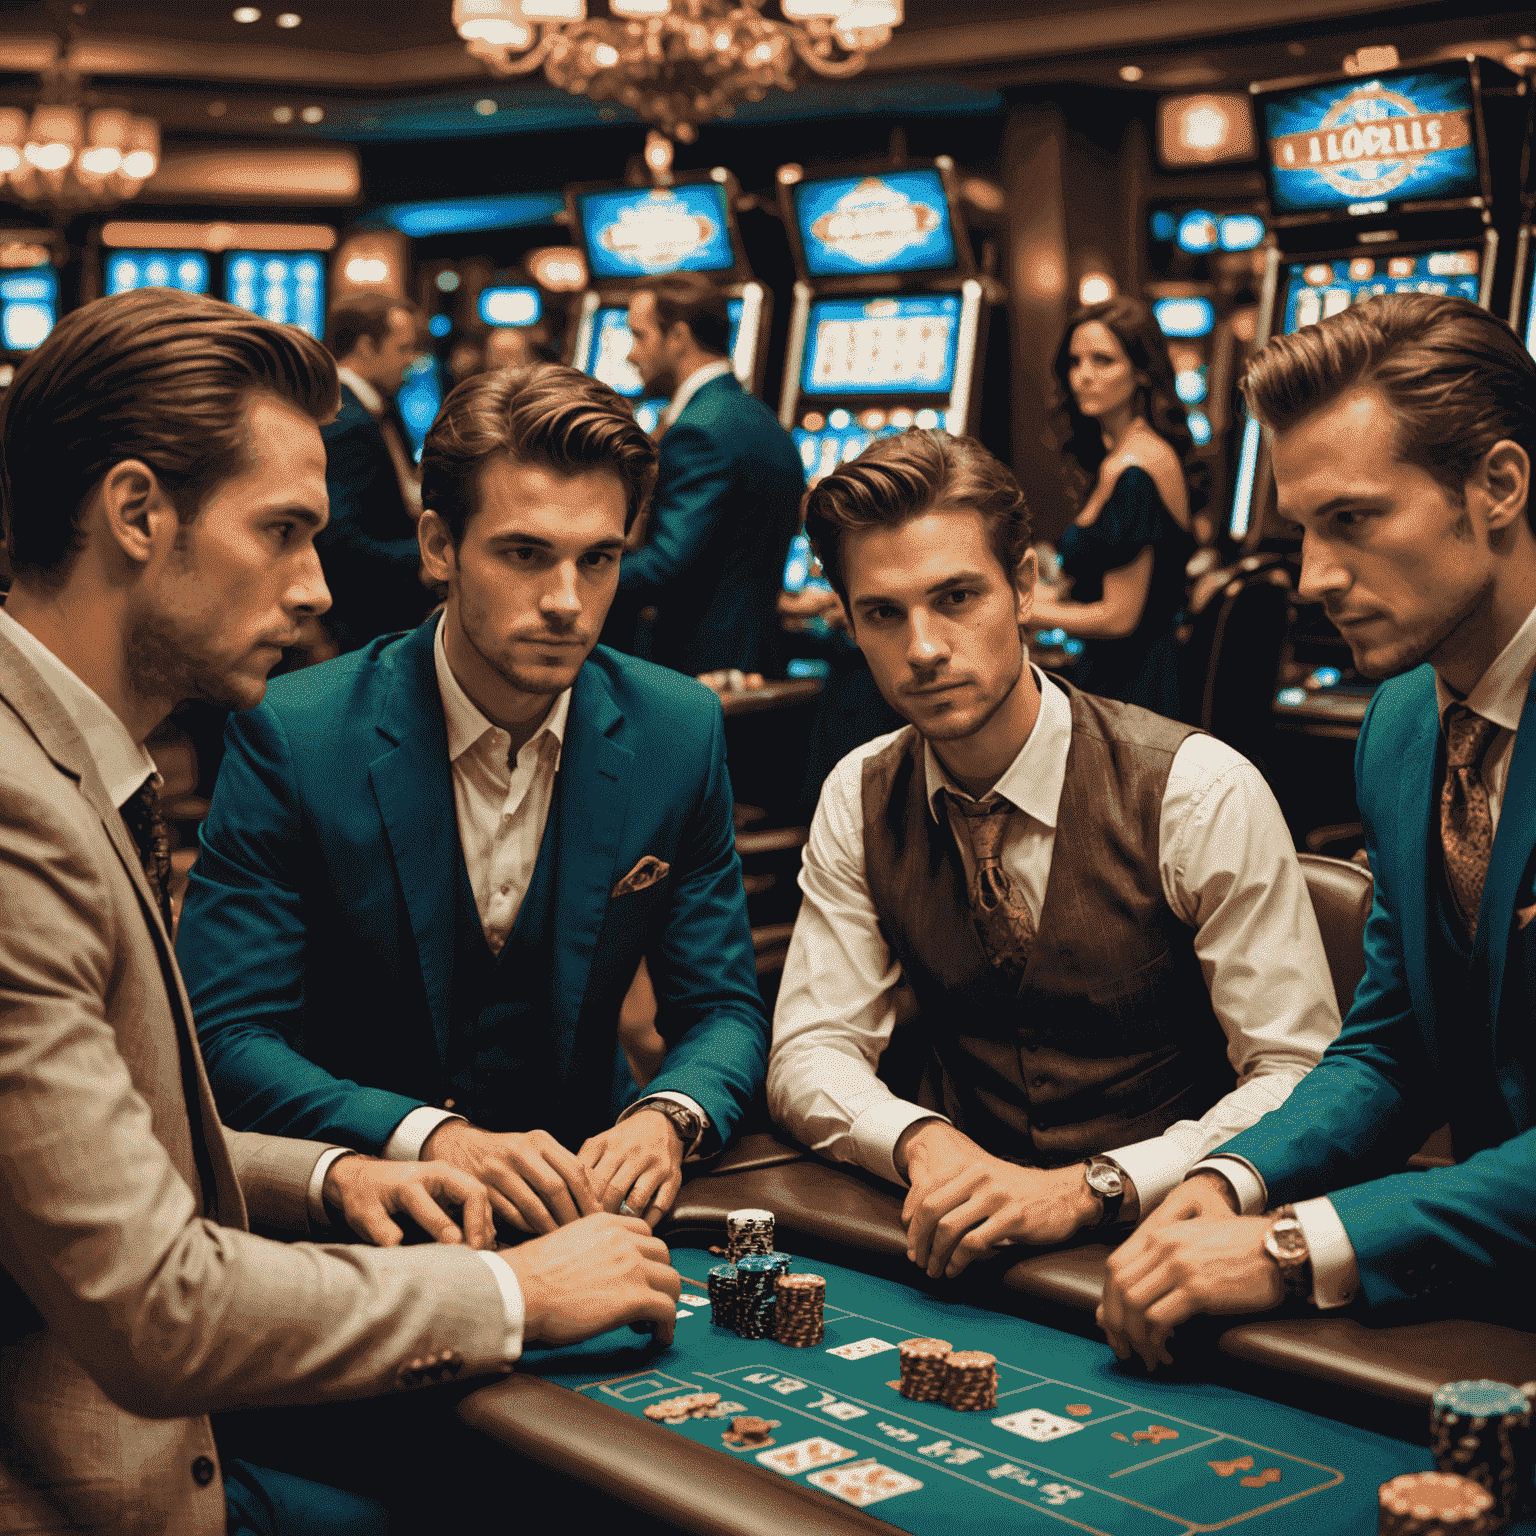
1097	912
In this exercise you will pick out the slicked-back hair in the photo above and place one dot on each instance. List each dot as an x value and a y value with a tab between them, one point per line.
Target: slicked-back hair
698	303
900	478
1455	377
545	415
361	314
156	375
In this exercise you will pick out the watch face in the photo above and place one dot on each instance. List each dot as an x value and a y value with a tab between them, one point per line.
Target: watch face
1288	1239
1104	1180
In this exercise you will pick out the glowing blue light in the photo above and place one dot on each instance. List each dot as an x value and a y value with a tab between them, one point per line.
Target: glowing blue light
839	419
1163	225
1247	467
1198	231
1072	648
809	666
1185	317
439	325
1291	697
1199	428
1050	636
465	214
510	306
1324	677
1242	232
1189	385
25	325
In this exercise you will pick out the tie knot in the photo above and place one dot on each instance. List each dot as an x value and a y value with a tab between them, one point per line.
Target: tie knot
986	821
1466	737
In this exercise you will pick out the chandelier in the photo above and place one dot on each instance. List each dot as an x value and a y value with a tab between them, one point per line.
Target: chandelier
675	63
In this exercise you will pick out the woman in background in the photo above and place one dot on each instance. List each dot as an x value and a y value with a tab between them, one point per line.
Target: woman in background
1131	456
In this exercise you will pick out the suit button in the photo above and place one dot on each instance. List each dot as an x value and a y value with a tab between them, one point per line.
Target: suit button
202	1471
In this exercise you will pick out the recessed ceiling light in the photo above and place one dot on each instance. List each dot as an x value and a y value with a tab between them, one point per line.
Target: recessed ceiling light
485	107
282	114
1131	73
246	14
289	19
312	114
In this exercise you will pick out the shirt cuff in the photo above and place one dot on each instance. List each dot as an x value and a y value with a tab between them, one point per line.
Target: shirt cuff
1252	1196
1335	1272
511	1300
1156	1167
410	1136
689	1153
875	1133
315	1195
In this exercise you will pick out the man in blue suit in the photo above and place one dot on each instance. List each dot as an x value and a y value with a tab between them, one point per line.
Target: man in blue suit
1404	430
727	501
432	867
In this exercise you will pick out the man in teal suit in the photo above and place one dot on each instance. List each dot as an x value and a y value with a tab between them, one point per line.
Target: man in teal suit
433	866
1404	430
727	501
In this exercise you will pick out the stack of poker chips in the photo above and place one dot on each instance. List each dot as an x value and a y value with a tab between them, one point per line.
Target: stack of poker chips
923	1368
723	1281
798	1310
1482	1430
970	1380
755	1294
1435	1504
747	1232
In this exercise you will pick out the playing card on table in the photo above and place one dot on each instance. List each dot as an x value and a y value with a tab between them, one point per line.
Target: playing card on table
861	1349
805	1454
1037	1424
864	1482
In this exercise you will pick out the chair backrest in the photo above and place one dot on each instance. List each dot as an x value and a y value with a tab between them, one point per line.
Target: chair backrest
1341	898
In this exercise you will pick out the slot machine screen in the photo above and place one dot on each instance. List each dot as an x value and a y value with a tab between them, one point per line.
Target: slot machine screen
903	346
637	232
510	306
287	287
1530	327
29	308
1366	144
897	221
186	270
1316	289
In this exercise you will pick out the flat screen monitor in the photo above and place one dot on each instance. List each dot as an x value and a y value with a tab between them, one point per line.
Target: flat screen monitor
638	231
420	398
606	355
127	270
897	221
29	307
1363	145
285	286
905	345
510	306
1530	325
1316	289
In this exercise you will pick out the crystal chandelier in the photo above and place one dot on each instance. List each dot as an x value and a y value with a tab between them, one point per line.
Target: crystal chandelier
675	63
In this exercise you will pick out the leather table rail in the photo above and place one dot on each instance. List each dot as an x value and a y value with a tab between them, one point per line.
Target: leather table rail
757	1149
692	1487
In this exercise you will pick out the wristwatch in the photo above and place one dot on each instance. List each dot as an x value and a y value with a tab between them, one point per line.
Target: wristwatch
1105	1177
685	1122
1286	1244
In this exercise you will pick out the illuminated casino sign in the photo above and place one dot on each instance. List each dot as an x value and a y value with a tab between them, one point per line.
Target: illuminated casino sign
896	222
874	223
638	232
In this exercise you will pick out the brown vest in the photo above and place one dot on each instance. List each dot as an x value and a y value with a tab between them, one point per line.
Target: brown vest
1108	1036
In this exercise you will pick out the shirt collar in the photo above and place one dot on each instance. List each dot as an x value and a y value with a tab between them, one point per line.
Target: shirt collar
1033	780
122	762
1499	694
368	397
691	386
467	724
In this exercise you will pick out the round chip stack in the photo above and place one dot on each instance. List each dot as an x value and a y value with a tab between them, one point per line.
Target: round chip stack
1482	1430
748	1231
1435	1504
755	1276
797	1317
722	1295
970	1380
922	1369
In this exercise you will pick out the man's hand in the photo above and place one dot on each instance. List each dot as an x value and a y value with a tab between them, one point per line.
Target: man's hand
640	1161
592	1276
363	1191
1161	1276
963	1202
1206	1194
534	1183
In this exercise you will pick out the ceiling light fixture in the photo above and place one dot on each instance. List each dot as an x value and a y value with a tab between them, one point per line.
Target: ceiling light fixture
246	14
289	19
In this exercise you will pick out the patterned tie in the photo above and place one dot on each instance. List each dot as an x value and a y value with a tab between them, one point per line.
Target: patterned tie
1466	823
1002	919
141	815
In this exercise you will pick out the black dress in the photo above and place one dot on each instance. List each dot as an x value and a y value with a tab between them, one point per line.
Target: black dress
1143	667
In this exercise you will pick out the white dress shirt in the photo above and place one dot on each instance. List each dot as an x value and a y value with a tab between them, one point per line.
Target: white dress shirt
689	388
375	404
1499	695
1228	870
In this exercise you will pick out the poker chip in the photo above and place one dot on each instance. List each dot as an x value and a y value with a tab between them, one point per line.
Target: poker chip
798	1316
755	1294
748	1232
723	1291
923	1368
969	1382
678	1410
1435	1504
748	1432
1482	1430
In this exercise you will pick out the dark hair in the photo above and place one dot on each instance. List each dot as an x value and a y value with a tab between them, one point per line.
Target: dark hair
545	414
361	314
1456	378
1157	401
697	303
156	375
899	478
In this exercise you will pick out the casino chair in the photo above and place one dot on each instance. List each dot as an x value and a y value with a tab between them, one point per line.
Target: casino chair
1341	901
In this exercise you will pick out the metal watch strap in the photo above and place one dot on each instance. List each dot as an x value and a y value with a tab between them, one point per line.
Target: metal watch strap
1296	1275
687	1124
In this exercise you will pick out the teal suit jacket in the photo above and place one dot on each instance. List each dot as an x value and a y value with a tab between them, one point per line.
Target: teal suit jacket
1427	1038
318	934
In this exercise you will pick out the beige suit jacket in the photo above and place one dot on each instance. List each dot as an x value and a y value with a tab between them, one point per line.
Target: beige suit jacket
134	1300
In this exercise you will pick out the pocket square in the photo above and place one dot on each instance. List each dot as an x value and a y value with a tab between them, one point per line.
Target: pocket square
647	872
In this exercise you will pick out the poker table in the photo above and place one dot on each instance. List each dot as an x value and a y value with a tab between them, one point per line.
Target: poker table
1280	1423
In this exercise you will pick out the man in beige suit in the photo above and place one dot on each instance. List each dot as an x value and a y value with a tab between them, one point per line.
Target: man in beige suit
164	480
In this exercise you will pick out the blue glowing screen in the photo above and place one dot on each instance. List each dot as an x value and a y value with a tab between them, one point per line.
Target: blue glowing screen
1199	231
637	231
1164	225
510	306
1317	289
288	287
606	355
462	215
1185	317
905	345
1401	138
420	397
1242	232
187	270
29	308
897	221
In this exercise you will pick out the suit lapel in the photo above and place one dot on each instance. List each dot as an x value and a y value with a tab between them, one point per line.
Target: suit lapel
1412	879
413	788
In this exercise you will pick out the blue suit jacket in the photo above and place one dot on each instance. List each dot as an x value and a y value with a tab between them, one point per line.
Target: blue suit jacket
318	934
1420	1047
726	507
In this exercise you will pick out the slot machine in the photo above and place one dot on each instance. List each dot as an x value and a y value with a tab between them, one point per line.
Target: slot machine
888	322
29	310
630	233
